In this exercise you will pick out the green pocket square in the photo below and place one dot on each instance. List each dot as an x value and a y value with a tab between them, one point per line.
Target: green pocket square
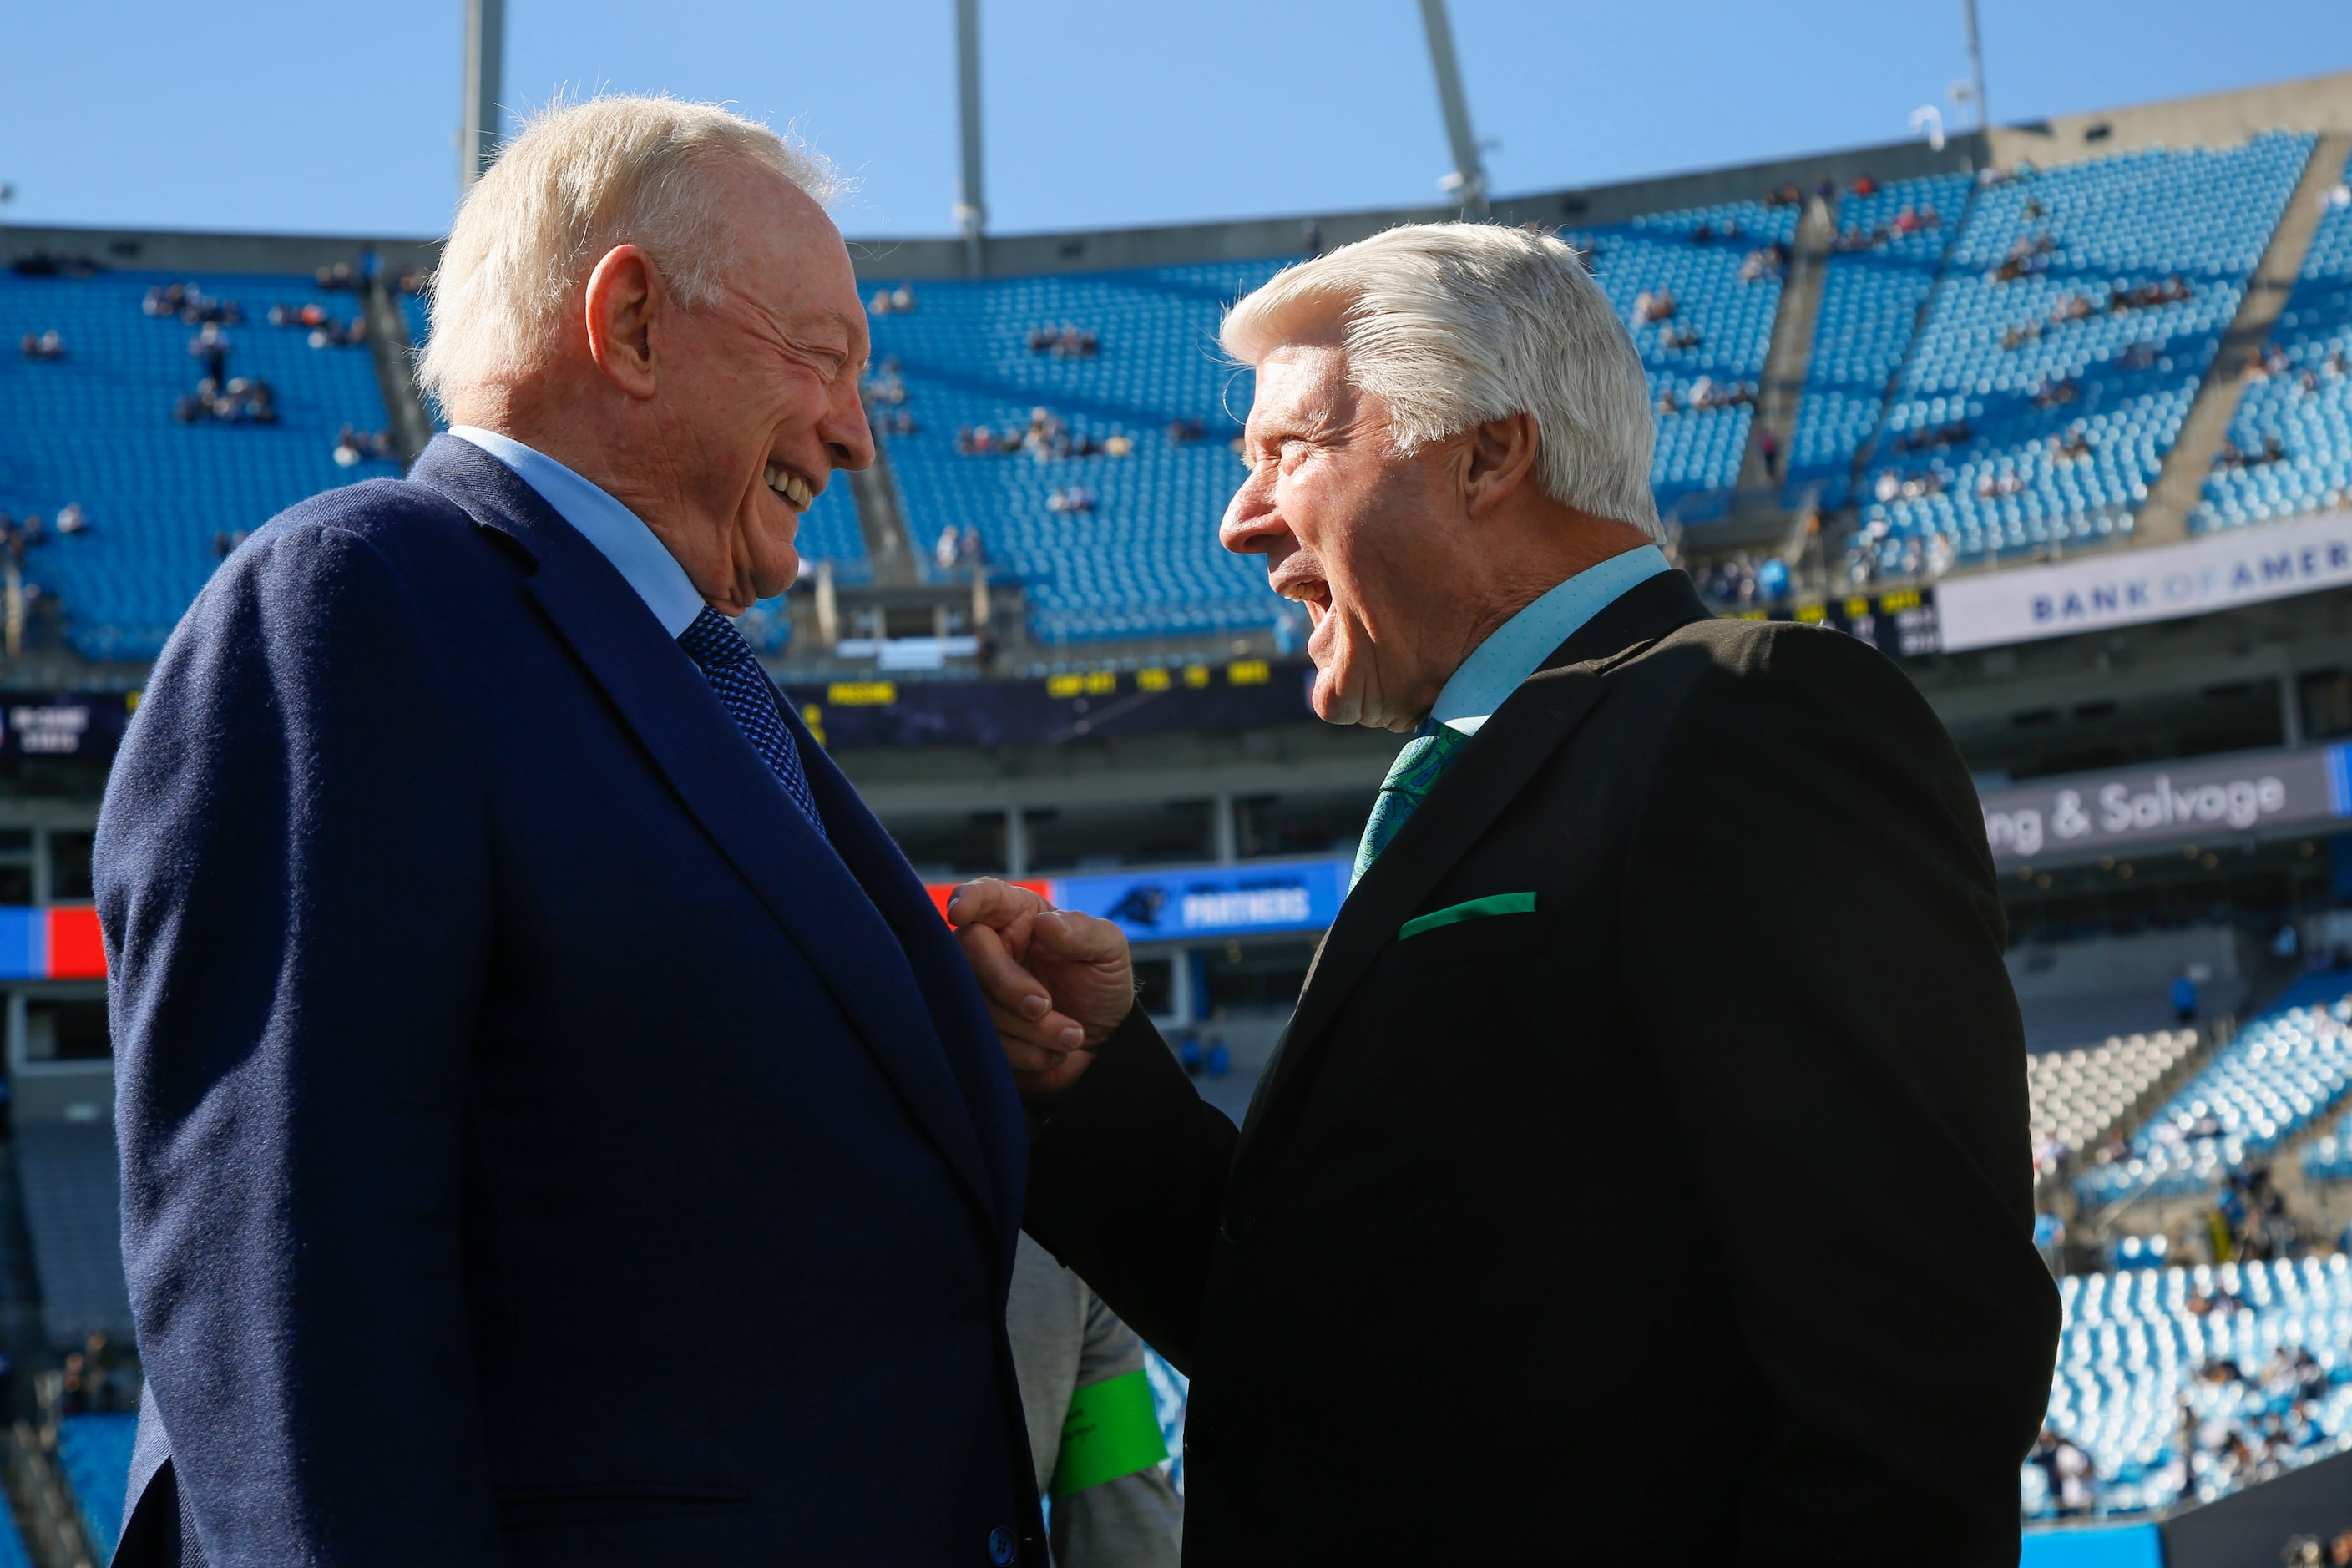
1476	908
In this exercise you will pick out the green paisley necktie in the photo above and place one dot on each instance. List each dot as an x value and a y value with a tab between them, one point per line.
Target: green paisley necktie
1431	751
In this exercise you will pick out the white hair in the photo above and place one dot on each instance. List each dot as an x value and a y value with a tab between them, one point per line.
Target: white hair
1453	324
579	179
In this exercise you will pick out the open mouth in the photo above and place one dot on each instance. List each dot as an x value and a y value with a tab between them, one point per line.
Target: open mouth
796	491
1312	592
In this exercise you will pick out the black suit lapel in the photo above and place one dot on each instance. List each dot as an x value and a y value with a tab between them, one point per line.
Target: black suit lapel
1532	724
722	780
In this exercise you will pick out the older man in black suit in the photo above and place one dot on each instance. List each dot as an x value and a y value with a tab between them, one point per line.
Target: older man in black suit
1646	892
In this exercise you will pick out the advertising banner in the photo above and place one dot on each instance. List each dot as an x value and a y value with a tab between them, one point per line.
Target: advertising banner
1211	901
2128	587
62	724
2131	808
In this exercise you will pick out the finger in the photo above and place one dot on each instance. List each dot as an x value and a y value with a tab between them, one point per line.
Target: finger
1079	939
1056	1032
992	902
1002	980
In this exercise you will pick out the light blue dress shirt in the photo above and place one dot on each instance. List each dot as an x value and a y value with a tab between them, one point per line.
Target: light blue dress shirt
636	551
1517	648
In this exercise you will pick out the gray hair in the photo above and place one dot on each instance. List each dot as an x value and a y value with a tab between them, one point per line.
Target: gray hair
1453	324
579	179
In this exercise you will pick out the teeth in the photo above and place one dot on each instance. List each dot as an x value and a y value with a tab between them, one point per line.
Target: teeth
791	486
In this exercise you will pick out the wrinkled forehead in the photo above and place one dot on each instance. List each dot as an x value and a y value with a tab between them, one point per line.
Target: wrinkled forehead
787	256
1303	382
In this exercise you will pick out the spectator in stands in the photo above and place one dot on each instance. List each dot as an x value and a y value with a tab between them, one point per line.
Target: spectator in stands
1650	307
2184	996
50	344
211	345
1094	1432
598	1015
944	551
71	519
1449	464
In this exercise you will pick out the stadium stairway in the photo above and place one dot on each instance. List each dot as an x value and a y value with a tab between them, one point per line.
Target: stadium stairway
395	370
2182	483
1786	365
882	519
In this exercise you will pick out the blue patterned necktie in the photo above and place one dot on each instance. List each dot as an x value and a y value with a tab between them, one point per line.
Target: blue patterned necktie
1431	751
744	688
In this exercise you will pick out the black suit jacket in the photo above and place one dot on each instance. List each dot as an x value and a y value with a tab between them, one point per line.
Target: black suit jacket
1683	1218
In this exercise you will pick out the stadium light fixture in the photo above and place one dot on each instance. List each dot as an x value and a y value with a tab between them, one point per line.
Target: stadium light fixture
477	142
1976	69
1468	182
971	201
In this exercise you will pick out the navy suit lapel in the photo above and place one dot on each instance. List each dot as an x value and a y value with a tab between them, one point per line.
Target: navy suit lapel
729	789
955	1005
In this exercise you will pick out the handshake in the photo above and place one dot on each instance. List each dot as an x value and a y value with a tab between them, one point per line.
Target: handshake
1057	983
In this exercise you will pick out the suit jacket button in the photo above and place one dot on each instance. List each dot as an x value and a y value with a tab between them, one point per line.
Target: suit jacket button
1002	1549
1237	1226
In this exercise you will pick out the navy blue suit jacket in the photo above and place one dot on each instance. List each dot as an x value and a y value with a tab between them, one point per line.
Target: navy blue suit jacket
537	1146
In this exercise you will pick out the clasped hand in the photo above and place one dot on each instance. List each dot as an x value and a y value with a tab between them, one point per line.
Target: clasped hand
1057	983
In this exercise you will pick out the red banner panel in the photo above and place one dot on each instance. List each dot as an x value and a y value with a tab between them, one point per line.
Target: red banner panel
77	951
939	891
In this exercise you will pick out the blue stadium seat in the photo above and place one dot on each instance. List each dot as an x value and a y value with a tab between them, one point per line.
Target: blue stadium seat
2283	1071
2130	1349
1870	306
2016	427
96	1453
95	429
1698	451
2305	408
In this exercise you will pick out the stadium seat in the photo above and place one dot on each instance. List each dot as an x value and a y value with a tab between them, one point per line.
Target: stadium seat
95	1451
1870	307
2131	1347
2282	1072
2078	1096
2308	421
95	429
2031	414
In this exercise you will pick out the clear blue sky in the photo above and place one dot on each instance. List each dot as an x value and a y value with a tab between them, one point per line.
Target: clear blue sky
275	115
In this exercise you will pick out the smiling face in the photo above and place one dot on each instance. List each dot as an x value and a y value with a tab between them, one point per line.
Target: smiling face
1370	543
757	402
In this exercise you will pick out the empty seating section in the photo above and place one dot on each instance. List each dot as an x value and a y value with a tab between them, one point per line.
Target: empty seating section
95	1451
1138	554
2079	1095
2330	1159
2281	1073
828	532
95	429
2303	406
2063	346
1870	306
2133	1343
1696	257
73	1200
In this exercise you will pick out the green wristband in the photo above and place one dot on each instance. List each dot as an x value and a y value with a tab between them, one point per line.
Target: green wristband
1111	1431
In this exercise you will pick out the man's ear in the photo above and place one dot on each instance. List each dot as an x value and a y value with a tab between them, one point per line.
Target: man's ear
624	299
1500	457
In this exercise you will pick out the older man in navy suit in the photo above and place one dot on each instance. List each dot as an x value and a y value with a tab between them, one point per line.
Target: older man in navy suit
514	1006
